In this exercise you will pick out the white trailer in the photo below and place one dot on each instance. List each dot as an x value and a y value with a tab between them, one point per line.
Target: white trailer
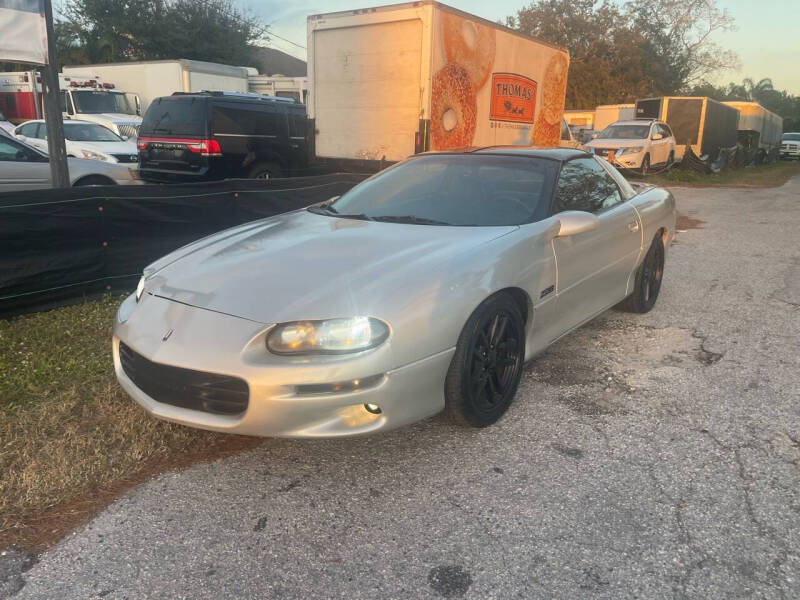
152	79
390	81
279	85
606	114
758	127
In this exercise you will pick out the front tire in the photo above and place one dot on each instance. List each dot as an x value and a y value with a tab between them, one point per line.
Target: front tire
266	170
645	167
487	366
648	280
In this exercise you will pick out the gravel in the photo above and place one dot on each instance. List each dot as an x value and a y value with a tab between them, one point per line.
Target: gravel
646	456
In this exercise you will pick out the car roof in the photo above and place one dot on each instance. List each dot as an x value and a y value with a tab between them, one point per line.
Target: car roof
556	153
638	122
66	122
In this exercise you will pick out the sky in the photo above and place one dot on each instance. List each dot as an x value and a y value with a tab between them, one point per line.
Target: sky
767	38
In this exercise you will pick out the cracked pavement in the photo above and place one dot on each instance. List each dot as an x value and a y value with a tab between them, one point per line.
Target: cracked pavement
646	456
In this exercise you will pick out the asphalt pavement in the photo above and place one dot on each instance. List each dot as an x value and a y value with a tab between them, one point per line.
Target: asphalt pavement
646	456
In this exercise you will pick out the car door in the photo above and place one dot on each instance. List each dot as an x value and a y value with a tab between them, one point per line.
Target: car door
593	267
660	147
21	168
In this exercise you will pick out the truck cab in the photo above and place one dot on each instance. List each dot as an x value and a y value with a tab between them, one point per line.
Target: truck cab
90	99
83	97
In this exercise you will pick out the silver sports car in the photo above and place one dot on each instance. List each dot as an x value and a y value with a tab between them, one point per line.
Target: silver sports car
426	287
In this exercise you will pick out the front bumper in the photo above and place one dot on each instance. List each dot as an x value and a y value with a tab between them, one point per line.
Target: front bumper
624	161
790	151
203	340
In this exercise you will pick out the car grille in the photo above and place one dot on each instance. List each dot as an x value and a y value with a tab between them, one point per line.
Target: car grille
129	130
127	158
185	388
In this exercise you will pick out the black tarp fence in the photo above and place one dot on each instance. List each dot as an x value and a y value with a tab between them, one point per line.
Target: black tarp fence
58	246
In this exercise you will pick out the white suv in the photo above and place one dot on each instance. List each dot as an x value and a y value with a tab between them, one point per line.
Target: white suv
640	145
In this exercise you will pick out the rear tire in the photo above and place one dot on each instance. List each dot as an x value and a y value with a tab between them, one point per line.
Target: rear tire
487	366
265	170
647	280
94	180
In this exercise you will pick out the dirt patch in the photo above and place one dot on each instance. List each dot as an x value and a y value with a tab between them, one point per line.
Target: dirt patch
685	222
601	368
39	532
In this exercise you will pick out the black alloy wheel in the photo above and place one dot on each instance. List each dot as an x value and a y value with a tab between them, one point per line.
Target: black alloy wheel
487	366
648	280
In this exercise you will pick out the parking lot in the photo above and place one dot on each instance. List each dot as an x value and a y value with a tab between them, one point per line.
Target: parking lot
646	456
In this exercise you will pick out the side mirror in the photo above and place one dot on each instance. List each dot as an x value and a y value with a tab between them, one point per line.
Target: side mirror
574	222
657	136
595	134
125	137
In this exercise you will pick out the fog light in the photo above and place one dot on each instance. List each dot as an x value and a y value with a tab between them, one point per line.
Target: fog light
373	408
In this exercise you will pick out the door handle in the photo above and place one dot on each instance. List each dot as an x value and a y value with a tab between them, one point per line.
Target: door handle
633	226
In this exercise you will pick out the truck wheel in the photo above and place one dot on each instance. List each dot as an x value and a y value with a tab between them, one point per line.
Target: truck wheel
265	170
487	366
647	280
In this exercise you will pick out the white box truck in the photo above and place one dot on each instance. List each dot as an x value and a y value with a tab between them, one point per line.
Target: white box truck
390	81
280	86
606	114
759	129
152	79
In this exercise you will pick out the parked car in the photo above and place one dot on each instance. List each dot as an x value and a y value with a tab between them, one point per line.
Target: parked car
83	140
23	167
414	291
790	145
640	144
219	135
4	124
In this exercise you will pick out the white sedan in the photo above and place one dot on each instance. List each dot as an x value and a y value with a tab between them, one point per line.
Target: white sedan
83	140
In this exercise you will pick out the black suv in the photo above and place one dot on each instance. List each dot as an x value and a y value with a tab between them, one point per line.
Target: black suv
217	135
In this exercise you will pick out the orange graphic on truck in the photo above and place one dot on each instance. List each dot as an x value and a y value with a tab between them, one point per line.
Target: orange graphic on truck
513	98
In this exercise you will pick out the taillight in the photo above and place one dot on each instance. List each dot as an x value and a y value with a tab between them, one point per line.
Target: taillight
205	148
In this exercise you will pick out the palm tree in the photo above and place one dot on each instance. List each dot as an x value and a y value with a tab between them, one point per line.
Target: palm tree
755	91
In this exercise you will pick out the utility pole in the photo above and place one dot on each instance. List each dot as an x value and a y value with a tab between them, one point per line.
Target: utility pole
56	147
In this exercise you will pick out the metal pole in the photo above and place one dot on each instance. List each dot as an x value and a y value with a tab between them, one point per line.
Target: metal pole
59	171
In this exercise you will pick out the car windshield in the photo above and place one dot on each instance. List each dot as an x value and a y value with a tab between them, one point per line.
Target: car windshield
791	137
625	132
95	102
453	189
89	132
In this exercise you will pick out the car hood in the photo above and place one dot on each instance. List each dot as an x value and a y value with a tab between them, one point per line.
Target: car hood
302	265
612	143
116	118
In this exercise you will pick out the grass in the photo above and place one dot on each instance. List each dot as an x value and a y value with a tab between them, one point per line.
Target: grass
70	438
764	176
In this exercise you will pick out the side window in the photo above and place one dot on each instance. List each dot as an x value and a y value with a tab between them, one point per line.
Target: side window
297	125
584	184
11	152
666	130
243	121
565	131
28	130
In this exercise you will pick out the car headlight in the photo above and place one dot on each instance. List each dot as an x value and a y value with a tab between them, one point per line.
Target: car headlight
329	336
140	288
631	150
97	156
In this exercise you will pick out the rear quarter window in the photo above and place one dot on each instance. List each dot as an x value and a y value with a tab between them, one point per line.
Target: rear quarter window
244	120
176	115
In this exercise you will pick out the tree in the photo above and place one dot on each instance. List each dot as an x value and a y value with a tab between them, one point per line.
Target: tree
92	31
618	54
